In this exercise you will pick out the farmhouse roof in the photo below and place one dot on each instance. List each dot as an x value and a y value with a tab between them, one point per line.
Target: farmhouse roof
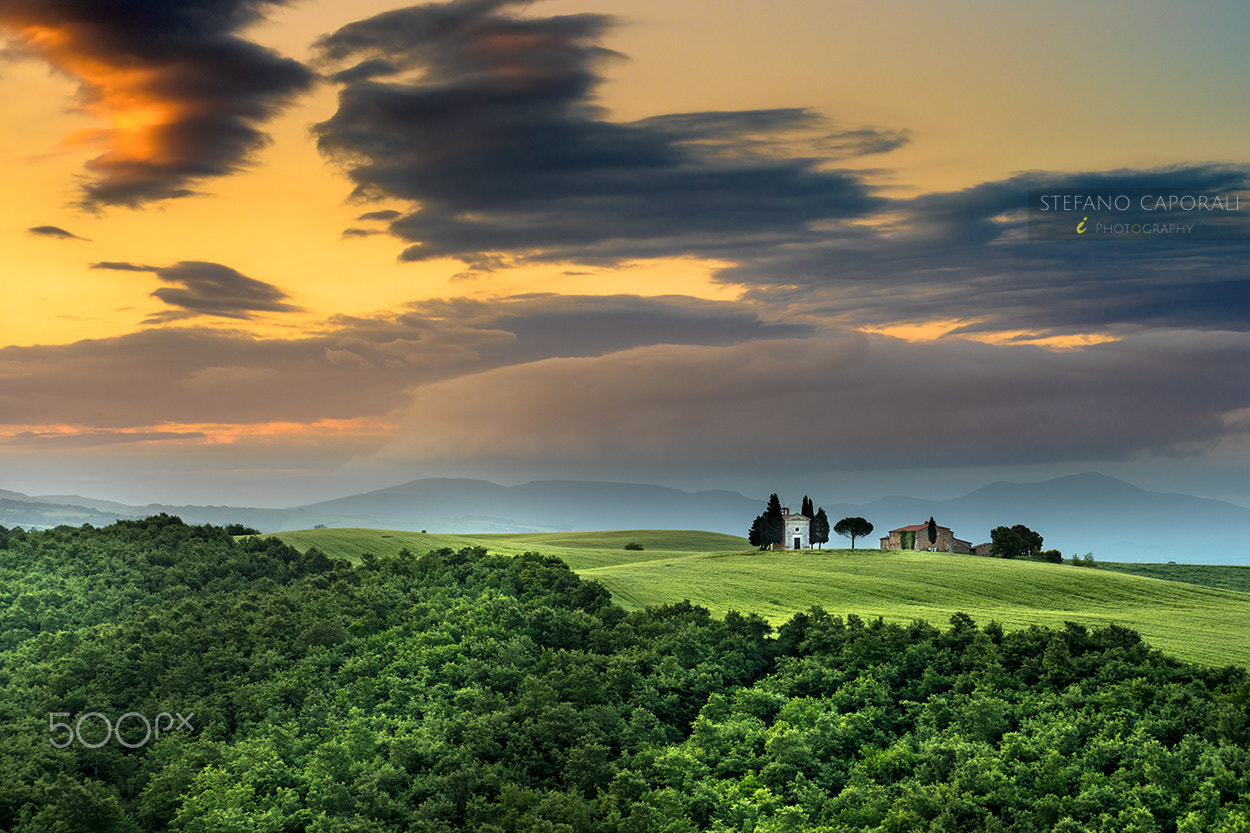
917	528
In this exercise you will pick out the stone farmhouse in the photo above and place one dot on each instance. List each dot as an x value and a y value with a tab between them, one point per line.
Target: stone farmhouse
916	537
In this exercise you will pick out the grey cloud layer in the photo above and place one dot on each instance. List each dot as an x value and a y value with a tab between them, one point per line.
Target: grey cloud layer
500	145
663	384
658	385
355	368
839	402
180	376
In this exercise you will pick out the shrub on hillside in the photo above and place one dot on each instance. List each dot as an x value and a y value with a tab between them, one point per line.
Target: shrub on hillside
633	545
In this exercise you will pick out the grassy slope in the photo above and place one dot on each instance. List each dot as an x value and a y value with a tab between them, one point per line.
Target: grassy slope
1203	624
580	550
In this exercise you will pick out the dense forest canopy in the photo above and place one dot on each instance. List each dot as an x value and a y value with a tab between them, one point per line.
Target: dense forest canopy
465	691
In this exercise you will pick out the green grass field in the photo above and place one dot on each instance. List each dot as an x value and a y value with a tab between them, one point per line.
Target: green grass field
1210	625
580	550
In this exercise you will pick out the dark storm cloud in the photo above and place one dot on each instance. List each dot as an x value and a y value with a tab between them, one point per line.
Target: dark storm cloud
389	214
841	401
54	232
202	288
498	143
966	255
183	92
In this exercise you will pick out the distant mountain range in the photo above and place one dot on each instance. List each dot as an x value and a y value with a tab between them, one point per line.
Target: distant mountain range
545	506
1082	513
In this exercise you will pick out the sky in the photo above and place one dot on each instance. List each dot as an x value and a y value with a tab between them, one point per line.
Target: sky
266	253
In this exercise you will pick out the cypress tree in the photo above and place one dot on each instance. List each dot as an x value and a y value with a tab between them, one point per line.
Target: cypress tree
756	535
774	522
820	527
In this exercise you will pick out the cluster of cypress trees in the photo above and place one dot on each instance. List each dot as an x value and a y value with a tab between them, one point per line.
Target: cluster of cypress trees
769	528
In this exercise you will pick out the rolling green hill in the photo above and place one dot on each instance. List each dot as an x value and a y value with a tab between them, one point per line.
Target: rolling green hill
1202	624
581	550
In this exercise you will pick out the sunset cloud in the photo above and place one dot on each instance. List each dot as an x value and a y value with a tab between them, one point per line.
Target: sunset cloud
201	288
71	436
388	214
353	368
180	93
92	439
54	232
